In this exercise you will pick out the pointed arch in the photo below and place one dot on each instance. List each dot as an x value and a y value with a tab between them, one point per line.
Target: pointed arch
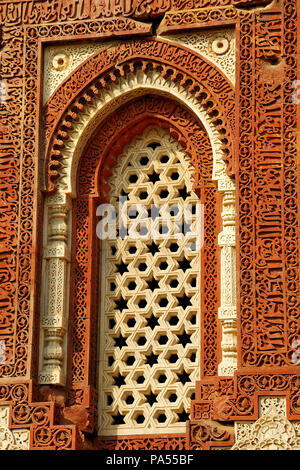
112	76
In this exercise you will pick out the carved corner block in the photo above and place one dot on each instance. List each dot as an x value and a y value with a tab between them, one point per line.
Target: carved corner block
209	435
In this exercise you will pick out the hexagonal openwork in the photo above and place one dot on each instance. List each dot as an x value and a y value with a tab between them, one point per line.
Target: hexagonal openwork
152	299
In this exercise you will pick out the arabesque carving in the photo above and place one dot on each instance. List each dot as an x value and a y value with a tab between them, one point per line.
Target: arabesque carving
47	11
272	431
26	423
55	294
158	56
217	45
18	439
61	61
133	85
264	135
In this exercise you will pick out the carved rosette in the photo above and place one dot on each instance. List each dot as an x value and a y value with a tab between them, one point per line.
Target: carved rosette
55	293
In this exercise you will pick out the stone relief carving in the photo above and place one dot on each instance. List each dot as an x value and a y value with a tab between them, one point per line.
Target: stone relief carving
60	61
45	11
227	311
54	302
217	45
108	100
16	439
258	111
272	431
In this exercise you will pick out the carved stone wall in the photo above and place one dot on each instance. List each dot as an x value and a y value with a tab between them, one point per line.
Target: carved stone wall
253	129
55	289
107	100
61	61
217	45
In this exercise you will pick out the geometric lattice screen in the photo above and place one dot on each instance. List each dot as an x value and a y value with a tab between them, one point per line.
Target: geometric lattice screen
150	295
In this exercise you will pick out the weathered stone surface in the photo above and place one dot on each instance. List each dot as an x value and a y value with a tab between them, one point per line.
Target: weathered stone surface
238	125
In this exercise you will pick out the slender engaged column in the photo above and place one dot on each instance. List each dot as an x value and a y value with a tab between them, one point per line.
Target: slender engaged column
54	302
227	311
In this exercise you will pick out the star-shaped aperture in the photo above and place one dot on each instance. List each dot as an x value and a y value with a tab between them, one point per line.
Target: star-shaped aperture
153	213
183	416
119	380
153	177
153	248
151	398
153	284
123	196
183	193
118	419
121	304
122	233
184	301
122	267
184	264
120	342
184	377
152	359
184	339
152	322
